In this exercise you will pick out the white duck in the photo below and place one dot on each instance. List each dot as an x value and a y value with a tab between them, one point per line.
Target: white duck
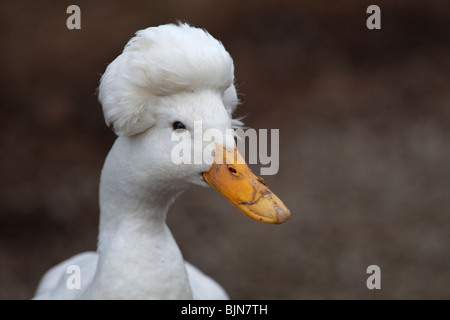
166	78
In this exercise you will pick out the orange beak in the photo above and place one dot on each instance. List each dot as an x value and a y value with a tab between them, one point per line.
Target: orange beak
234	180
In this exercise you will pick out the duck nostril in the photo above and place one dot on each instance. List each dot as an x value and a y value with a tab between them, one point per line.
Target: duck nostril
232	170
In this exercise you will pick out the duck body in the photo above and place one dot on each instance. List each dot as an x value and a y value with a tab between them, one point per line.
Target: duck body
54	284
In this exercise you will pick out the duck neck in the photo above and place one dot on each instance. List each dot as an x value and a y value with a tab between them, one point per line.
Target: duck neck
138	257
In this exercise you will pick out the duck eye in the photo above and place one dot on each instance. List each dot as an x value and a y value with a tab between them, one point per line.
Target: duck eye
177	125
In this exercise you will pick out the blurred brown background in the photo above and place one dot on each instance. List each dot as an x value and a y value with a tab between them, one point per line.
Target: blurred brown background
364	143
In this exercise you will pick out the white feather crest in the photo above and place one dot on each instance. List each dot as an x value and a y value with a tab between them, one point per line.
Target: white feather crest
161	61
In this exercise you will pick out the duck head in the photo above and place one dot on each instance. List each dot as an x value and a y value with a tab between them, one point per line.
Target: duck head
170	97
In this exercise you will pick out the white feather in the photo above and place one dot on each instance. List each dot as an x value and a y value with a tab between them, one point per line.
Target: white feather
158	62
165	74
